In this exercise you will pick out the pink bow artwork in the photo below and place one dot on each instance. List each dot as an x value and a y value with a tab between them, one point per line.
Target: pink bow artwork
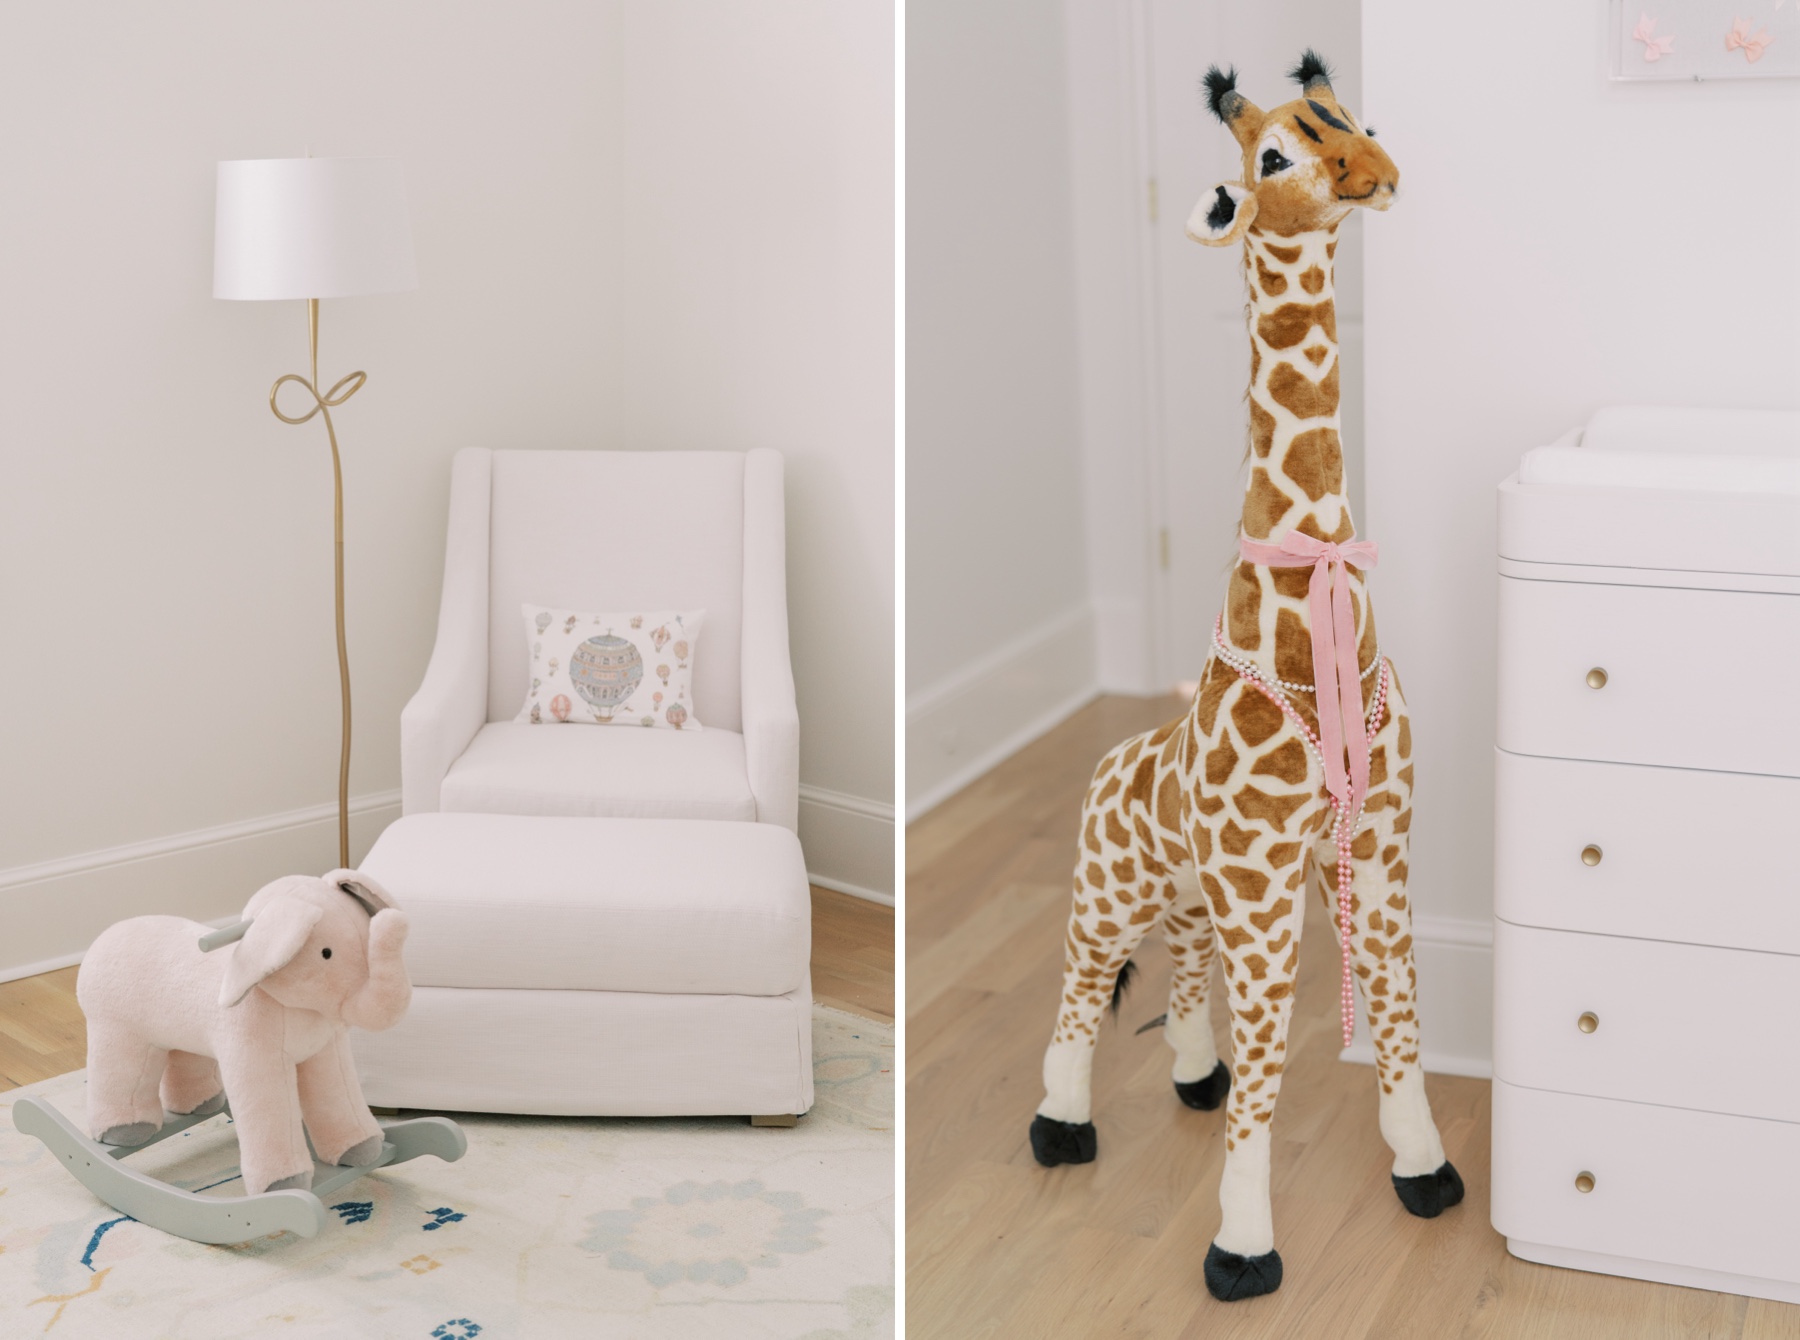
1739	39
1655	48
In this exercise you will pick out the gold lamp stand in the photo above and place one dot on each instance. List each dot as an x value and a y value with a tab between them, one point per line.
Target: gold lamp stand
288	228
341	391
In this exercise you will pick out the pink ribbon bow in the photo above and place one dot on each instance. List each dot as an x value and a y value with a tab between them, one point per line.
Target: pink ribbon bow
1336	680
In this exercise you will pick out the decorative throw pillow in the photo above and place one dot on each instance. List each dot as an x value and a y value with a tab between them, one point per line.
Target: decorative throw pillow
611	669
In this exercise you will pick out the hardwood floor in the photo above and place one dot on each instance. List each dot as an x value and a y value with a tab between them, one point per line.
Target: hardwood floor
42	1033
997	1246
853	954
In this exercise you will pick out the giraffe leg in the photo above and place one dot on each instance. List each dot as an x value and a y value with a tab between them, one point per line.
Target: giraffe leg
1382	959
1201	1078
1258	924
1107	921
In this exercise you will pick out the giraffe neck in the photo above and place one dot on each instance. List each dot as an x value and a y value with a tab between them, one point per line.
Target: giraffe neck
1297	461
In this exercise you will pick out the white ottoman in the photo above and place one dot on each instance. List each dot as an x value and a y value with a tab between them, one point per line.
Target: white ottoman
596	967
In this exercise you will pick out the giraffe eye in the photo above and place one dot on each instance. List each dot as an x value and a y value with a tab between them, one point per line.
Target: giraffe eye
1273	161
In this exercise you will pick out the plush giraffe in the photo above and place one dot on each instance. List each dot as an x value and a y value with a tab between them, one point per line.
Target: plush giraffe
1293	766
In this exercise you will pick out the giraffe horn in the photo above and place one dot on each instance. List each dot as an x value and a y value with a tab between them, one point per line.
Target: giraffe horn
1237	113
1312	73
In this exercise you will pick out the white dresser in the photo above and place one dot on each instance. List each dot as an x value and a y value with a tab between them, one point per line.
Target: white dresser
1647	852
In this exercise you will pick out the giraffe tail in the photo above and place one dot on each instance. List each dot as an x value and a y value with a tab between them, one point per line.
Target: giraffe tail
1125	975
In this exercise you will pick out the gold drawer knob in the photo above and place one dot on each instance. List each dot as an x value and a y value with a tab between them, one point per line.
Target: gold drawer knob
1584	1182
1588	1022
1590	855
1596	678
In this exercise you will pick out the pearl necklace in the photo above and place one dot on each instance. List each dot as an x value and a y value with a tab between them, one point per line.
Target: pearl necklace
1344	822
1248	669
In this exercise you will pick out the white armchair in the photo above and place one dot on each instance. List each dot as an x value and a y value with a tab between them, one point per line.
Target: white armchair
606	530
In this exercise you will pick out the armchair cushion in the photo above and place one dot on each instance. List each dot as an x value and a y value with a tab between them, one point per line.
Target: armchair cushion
517	768
618	530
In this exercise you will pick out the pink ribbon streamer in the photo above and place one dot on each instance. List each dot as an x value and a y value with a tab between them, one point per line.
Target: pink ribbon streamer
1337	683
1337	690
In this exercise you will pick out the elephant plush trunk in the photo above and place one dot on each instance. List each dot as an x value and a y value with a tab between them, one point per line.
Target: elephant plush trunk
381	1002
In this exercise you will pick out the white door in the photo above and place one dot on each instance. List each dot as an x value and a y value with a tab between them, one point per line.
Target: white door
1200	362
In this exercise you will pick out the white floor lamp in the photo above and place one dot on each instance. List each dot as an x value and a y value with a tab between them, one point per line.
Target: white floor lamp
315	228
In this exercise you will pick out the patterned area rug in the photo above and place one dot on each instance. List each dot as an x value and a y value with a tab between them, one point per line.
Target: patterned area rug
548	1228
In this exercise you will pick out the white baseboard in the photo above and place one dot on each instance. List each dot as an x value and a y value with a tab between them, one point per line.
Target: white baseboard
854	890
1455	961
51	911
849	843
995	706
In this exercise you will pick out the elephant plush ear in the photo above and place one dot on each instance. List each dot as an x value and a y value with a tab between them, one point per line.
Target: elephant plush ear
366	891
276	934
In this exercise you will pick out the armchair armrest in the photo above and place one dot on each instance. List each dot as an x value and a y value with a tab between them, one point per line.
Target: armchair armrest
771	719
451	704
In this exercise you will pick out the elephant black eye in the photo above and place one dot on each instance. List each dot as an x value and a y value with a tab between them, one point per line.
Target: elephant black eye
1273	161
325	952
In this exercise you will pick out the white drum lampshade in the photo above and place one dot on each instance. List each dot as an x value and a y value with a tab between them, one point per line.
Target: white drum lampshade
311	228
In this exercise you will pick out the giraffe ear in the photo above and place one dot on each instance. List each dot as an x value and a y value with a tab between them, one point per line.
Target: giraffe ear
1222	215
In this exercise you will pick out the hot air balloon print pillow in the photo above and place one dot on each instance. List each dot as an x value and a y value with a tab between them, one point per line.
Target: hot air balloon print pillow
611	669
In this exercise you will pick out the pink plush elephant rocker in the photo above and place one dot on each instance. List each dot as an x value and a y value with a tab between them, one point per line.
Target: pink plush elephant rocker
259	1014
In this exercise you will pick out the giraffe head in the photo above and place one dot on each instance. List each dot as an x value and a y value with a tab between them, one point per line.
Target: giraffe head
1307	164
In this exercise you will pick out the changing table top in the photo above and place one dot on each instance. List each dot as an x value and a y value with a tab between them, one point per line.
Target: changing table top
1643	446
1678	491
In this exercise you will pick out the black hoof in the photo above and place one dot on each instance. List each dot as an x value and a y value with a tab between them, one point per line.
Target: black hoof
1230	1277
1054	1142
1206	1094
1430	1194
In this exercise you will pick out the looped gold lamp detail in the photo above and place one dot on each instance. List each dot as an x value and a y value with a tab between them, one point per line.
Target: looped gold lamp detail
315	228
341	391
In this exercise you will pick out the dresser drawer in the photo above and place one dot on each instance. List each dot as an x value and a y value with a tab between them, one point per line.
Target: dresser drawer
1681	1025
1693	679
1695	857
1687	1188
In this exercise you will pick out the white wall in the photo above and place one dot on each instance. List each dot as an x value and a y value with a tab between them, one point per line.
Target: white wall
1560	243
585	230
1000	638
1115	263
757	291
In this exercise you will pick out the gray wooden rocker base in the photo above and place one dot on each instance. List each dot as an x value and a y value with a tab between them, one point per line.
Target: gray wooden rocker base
224	1219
